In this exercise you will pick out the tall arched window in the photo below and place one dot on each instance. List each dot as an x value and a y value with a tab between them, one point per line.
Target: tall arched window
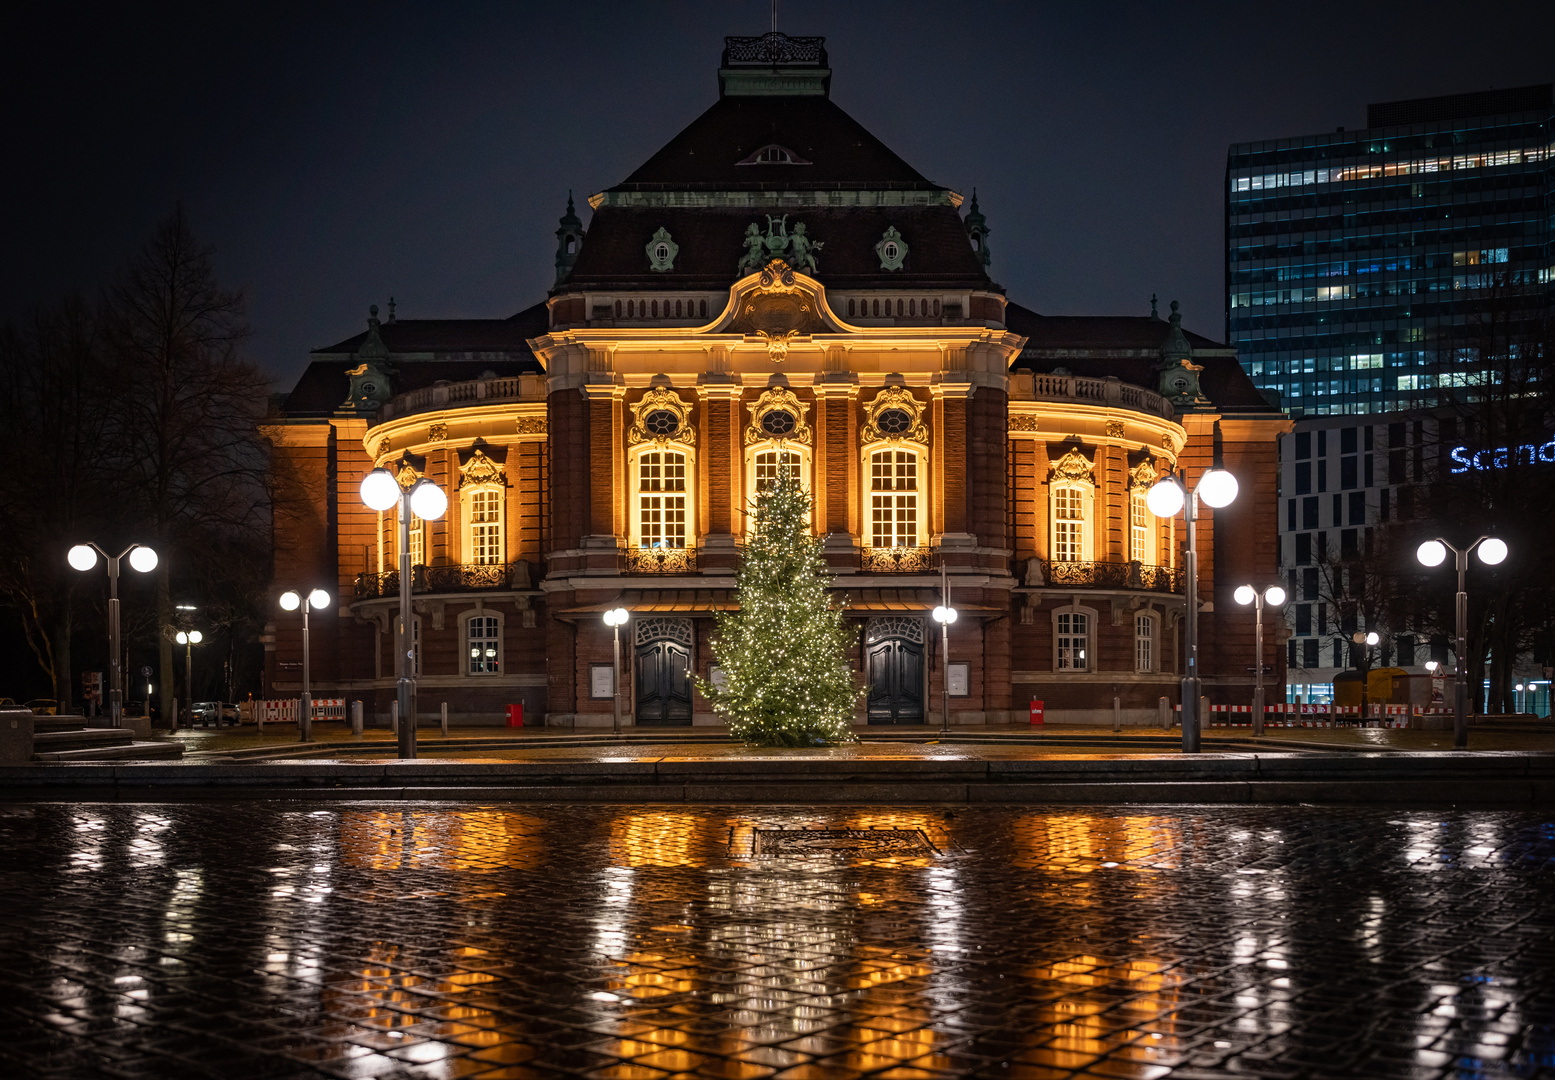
766	464
893	498
1071	517
418	541
1139	527
661	499
484	516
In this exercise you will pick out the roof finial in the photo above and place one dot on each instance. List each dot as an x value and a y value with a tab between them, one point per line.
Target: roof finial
1153	313
774	16
372	316
391	310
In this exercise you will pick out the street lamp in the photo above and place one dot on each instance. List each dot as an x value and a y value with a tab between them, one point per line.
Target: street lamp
423	499
944	615
616	618
291	600
189	639
1274	596
1434	553
1166	497
144	560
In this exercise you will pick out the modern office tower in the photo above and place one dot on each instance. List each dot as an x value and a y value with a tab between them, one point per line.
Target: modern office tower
1363	267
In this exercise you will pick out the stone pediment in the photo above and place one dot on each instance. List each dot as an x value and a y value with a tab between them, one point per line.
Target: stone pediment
778	304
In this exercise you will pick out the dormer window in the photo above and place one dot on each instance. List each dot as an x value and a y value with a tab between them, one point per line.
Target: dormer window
773	154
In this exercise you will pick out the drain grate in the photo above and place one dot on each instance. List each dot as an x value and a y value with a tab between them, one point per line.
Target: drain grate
887	842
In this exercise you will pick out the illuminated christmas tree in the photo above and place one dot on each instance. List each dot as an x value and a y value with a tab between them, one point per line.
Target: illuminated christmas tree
784	655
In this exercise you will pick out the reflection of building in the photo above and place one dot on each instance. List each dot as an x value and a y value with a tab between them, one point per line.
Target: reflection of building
776	288
1358	263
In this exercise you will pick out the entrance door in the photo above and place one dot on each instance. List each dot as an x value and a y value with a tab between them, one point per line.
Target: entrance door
893	659
663	667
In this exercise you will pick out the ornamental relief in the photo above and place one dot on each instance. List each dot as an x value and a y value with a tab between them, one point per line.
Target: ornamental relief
1073	467
661	418
894	416
778	415
1023	422
480	469
529	425
1142	475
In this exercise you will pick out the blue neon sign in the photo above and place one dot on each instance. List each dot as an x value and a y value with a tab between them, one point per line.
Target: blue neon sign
1501	456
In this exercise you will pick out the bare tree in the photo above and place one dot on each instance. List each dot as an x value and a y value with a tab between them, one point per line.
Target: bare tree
187	453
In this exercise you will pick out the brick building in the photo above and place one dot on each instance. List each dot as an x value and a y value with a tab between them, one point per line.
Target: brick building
774	286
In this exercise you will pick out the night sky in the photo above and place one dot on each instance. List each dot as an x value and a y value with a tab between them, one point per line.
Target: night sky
337	156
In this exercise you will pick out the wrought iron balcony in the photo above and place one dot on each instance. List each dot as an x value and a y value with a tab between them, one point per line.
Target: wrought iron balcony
896	560
439	579
661	561
1111	575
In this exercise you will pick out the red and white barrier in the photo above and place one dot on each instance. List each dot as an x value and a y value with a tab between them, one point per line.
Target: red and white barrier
284	710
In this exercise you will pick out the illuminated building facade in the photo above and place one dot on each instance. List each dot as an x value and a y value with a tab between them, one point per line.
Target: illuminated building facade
775	288
1365	269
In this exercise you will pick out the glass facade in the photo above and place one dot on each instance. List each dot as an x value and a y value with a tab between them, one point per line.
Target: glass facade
1358	263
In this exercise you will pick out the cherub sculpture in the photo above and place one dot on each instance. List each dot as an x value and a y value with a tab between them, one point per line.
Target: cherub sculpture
802	257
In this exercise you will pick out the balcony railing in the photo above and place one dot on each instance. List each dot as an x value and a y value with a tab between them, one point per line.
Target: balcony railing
661	561
439	579
1113	575
895	560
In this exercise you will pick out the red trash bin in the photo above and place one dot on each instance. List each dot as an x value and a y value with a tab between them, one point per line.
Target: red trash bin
1036	711
516	715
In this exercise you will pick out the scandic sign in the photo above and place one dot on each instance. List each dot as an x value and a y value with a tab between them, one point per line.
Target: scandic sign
1501	456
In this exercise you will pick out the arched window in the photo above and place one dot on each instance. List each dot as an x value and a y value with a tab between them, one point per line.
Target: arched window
1145	650
767	463
702	309
1139	527
481	636
893	498
1074	632
483	524
1069	524
662	498
418	541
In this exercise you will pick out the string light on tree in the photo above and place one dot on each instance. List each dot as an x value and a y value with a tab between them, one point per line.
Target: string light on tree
784	654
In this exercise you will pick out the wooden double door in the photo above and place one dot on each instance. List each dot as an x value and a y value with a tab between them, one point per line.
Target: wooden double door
893	663
663	672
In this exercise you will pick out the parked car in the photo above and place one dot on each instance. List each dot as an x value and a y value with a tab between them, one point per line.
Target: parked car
220	711
43	706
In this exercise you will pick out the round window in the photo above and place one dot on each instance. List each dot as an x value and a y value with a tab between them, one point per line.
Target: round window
778	423
662	252
661	422
890	251
893	421
369	389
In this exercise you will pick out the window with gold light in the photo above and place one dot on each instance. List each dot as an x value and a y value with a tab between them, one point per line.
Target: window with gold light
661	499
483	498
893	498
1138	527
1072	495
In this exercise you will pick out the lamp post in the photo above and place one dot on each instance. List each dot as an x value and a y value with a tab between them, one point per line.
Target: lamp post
1275	597
381	491
291	600
1434	553
189	639
616	618
143	559
944	615
1168	495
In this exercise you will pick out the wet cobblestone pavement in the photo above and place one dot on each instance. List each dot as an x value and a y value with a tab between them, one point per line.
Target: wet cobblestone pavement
451	941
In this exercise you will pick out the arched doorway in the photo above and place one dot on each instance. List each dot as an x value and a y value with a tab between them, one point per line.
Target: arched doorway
893	659
663	671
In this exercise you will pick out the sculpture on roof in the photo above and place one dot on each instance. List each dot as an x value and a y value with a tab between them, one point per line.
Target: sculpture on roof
1178	375
797	249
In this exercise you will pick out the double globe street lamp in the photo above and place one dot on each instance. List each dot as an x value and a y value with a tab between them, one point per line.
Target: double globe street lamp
189	639
1433	553
142	559
1274	596
291	600
425	500
1166	497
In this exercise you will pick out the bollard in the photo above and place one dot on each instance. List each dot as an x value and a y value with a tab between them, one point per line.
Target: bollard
1257	710
1204	714
356	717
1117	713
445	719
394	716
1165	707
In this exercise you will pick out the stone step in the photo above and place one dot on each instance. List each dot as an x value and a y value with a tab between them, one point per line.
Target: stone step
121	750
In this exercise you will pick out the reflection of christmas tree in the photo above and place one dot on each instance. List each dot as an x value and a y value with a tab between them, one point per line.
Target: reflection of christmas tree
784	654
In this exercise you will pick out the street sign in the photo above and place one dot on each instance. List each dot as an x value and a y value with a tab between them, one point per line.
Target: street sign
146	671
